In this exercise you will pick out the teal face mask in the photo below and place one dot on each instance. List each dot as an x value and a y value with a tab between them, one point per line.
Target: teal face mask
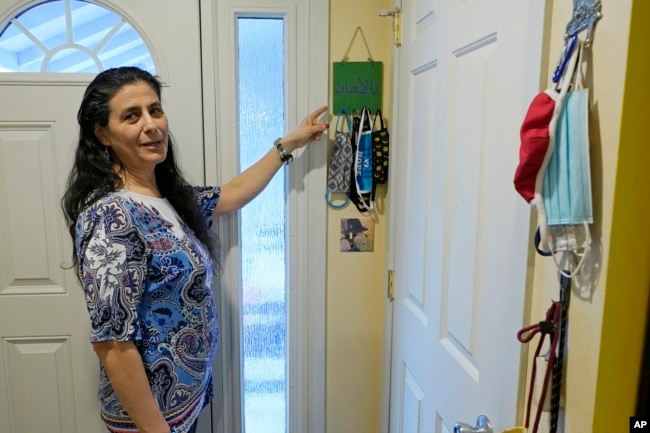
567	183
565	206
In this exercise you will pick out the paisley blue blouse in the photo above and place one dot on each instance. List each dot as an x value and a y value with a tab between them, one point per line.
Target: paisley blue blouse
147	280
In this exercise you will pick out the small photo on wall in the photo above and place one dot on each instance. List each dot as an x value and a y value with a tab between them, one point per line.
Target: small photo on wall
357	234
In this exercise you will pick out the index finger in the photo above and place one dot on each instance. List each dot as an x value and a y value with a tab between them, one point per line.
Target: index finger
318	112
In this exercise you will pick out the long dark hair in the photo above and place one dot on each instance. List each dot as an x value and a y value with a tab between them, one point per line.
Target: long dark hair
93	174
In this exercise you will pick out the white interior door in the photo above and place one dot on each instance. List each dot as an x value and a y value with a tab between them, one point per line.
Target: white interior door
464	76
48	371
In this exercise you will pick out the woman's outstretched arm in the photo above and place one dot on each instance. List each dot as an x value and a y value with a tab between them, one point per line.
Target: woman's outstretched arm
247	185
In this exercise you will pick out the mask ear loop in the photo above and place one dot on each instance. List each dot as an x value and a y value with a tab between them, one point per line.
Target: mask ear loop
565	253
579	75
342	113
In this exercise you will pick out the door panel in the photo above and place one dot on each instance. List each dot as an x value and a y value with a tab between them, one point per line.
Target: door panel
461	232
47	365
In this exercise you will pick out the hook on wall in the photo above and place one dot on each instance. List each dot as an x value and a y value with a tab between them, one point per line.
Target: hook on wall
397	23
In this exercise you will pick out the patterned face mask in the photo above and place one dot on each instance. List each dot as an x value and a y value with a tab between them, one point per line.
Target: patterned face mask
340	169
380	148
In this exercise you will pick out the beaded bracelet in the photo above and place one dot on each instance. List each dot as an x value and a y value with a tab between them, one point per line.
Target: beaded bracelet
284	156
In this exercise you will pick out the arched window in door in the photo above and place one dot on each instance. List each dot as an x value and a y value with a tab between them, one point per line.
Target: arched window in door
70	36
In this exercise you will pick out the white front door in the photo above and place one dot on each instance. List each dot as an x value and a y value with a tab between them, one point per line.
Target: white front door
48	371
464	76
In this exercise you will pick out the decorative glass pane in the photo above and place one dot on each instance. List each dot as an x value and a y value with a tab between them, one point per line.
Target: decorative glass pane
70	36
264	250
67	58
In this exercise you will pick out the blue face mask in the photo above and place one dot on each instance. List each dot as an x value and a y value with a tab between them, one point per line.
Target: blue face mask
363	164
566	208
363	161
567	183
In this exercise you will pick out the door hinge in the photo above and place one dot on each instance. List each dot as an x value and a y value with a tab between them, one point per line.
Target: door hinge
391	285
397	23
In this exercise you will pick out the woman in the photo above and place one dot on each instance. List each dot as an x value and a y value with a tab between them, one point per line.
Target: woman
143	251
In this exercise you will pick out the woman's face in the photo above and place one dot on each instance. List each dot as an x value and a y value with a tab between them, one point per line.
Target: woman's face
137	129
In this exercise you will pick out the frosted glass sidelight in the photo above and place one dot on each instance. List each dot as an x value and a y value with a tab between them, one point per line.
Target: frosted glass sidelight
72	36
261	59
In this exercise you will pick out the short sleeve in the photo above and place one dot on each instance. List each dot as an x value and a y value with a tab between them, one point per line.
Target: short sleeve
207	198
112	267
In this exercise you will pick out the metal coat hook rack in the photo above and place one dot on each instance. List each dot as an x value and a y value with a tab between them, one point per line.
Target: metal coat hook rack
585	15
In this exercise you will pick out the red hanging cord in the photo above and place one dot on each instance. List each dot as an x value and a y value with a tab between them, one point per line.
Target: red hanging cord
525	335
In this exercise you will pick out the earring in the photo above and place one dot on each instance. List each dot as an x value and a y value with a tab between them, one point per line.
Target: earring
107	155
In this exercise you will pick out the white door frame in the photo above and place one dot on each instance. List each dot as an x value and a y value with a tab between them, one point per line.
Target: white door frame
308	32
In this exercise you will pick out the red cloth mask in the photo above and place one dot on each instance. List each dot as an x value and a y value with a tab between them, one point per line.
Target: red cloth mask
534	135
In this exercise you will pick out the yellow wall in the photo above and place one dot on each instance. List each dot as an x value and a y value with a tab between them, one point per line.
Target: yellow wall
628	280
356	289
607	328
